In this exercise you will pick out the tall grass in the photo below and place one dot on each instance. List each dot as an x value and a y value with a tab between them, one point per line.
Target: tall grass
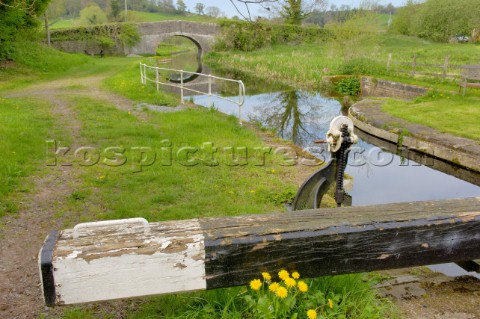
305	65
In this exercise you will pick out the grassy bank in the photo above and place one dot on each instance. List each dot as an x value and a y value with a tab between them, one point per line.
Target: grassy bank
447	113
304	65
170	185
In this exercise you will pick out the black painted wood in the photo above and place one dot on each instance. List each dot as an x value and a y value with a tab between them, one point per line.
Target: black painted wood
339	241
46	267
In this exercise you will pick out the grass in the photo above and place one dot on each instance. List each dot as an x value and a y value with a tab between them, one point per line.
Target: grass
127	83
305	65
162	191
32	61
447	113
352	297
25	125
138	16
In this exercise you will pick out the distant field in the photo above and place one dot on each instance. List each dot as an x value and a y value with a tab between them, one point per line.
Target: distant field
138	16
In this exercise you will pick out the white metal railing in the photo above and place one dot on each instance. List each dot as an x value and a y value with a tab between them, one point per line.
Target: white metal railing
155	77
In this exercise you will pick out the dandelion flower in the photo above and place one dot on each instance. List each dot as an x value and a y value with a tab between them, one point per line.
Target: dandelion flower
311	314
330	303
281	292
266	276
273	286
283	274
295	275
290	282
302	286
255	284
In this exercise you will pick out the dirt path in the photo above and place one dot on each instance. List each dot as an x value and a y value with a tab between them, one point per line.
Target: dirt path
22	234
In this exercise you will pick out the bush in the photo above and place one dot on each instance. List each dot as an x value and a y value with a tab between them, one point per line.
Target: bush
18	20
92	15
248	36
348	86
438	20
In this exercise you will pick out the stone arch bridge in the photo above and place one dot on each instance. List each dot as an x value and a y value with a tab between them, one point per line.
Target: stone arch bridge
151	34
202	34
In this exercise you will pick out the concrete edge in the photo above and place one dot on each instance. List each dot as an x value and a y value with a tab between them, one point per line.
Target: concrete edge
445	152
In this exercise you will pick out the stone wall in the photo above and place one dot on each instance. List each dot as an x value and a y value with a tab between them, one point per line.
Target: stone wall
89	47
382	88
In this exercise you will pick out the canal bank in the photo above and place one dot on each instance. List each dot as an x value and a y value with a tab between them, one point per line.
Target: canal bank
368	116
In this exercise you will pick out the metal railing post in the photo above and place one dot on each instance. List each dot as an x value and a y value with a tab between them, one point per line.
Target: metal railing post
181	86
145	73
209	90
240	102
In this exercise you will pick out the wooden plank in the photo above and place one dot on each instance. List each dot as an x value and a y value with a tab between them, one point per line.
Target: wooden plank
349	240
120	262
114	262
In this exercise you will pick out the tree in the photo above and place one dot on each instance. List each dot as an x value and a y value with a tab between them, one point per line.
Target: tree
181	7
92	15
115	9
56	9
292	11
18	17
213	11
438	20
199	8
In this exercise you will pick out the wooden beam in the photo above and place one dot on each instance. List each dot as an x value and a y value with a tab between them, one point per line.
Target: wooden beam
121	261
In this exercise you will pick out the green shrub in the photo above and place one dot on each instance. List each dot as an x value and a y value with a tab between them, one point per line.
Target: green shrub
247	36
348	86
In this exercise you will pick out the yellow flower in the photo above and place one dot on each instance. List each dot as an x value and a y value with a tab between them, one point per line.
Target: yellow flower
266	276
302	286
330	303
283	274
311	314
281	292
255	284
290	282
296	275
273	286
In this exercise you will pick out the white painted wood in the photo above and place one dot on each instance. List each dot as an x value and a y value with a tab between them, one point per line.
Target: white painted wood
118	222
121	261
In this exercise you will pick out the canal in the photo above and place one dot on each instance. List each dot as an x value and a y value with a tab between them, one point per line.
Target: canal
379	173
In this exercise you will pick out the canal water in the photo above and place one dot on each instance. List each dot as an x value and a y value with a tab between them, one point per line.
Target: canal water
379	172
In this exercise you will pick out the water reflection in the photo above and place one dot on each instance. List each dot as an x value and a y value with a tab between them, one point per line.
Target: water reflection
378	175
179	53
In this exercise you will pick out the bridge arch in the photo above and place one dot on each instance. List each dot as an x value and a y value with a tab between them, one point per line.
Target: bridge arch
151	34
